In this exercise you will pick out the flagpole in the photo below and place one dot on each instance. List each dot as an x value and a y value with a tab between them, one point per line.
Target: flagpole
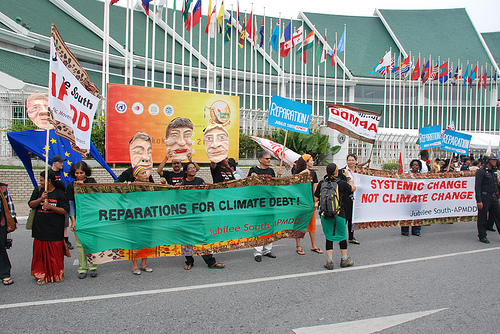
231	17
343	70
237	37
459	96
199	55
172	77
165	47
475	108
190	74
223	46
127	27
244	62
104	44
324	77
250	20
334	55
131	46
146	54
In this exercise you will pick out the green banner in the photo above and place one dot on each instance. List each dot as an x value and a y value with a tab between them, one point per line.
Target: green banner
139	216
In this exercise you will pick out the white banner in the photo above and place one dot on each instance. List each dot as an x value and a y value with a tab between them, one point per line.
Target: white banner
69	101
390	199
354	122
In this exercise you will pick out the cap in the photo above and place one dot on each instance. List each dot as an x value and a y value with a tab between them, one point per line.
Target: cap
58	158
306	157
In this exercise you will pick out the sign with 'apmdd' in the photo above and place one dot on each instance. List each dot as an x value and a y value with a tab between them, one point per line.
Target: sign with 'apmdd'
289	115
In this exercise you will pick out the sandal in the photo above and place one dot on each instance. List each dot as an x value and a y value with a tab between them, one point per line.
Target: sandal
136	271
40	281
300	251
188	267
354	241
217	265
147	269
7	281
317	250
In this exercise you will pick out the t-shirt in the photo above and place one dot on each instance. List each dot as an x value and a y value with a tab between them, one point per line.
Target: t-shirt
196	182
221	174
128	176
425	167
172	177
57	174
344	189
48	225
268	172
70	191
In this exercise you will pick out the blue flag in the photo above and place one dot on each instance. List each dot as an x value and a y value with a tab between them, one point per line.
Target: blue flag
24	142
341	45
275	37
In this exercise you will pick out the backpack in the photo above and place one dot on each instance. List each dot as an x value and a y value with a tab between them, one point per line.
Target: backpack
329	204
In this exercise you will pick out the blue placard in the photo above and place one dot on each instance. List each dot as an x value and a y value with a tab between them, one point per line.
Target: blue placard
289	115
456	142
429	137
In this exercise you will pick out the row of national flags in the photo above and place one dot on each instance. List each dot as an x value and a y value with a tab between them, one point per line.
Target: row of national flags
247	28
431	71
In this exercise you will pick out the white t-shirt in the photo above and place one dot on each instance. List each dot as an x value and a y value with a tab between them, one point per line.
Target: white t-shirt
424	167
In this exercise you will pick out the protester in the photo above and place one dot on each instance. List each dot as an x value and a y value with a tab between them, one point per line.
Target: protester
424	156
415	167
48	230
436	166
475	165
486	189
175	176
220	171
81	172
5	264
335	228
262	170
303	165
140	174
444	167
237	172
348	201
466	164
191	179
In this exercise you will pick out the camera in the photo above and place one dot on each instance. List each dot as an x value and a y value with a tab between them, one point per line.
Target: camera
8	244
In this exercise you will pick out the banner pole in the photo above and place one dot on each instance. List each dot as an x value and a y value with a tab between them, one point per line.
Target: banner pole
47	156
449	164
370	156
282	154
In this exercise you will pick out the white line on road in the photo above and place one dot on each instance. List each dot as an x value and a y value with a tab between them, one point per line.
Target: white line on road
366	326
247	281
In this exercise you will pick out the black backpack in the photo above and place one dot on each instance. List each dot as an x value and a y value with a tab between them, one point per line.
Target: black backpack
329	204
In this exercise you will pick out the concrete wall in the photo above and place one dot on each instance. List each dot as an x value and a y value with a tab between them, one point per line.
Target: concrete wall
20	187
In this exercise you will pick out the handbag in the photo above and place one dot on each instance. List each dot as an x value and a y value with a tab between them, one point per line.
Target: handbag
11	222
31	218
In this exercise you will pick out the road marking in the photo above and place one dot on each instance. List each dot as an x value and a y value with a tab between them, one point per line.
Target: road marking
366	326
247	281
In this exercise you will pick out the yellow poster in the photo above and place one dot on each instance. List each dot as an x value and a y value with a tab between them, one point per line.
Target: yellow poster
200	123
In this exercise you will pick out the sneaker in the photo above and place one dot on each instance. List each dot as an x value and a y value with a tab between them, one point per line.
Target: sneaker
347	262
329	265
70	246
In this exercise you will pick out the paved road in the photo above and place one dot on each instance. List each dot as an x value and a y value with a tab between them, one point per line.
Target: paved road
443	282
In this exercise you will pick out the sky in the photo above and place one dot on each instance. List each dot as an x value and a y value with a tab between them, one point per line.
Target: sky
485	14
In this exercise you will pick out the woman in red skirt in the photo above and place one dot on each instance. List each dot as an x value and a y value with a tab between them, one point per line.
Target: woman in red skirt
48	230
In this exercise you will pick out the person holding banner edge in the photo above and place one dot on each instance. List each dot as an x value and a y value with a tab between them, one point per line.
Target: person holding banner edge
415	167
487	196
303	165
262	170
352	163
335	228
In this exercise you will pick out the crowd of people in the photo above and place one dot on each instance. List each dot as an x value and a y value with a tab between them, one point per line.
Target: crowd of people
55	211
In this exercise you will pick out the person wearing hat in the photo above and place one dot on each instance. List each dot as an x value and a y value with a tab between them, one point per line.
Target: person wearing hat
57	166
487	195
303	165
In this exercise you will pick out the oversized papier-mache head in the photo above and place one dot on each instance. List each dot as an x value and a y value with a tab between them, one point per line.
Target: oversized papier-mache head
179	138
37	106
216	140
141	153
